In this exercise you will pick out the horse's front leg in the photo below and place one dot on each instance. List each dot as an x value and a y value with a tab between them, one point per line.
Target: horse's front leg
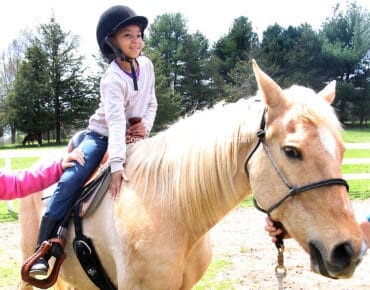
197	262
29	219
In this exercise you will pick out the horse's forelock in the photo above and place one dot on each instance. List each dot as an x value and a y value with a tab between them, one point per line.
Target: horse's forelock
308	105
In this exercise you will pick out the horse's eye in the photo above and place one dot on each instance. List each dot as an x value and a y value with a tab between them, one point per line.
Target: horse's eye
292	152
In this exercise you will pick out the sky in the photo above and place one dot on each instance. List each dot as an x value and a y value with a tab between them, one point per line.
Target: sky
212	18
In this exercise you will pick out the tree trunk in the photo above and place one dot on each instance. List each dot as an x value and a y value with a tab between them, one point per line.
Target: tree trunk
57	121
14	135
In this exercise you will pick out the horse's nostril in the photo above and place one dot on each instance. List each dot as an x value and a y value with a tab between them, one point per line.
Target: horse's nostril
342	255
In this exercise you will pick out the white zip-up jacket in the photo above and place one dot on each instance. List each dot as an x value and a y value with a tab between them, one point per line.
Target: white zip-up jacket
119	102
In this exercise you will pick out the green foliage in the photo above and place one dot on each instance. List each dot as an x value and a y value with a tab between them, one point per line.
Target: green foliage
168	101
236	46
244	82
28	101
193	86
345	50
49	91
167	35
182	61
292	56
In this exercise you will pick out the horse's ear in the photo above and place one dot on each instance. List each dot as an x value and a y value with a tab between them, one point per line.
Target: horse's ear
328	93
271	92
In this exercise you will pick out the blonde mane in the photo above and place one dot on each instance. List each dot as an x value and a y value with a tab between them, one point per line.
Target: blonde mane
200	153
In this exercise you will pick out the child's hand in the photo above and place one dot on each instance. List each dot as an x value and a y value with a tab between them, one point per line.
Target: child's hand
76	155
273	231
115	184
137	130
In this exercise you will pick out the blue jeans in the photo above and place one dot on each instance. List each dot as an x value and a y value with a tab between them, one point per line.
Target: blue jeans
93	146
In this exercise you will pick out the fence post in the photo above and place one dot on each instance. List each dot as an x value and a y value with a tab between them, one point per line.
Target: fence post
8	166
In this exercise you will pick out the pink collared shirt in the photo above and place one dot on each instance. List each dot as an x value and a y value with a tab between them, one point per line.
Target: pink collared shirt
21	183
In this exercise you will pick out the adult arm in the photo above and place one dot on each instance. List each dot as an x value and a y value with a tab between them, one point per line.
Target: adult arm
22	183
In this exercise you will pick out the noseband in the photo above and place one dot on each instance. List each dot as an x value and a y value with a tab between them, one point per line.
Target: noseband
293	190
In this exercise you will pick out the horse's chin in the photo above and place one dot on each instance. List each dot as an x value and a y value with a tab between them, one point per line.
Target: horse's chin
322	266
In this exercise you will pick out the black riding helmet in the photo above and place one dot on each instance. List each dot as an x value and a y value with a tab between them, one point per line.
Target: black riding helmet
113	19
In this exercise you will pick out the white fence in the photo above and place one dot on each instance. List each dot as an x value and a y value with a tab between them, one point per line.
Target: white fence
9	154
357	176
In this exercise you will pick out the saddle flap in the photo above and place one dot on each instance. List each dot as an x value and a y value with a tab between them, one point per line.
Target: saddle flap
94	191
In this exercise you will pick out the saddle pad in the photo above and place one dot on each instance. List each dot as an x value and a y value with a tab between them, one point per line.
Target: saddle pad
93	193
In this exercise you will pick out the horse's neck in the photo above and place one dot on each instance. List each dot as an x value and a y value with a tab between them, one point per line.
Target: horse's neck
213	187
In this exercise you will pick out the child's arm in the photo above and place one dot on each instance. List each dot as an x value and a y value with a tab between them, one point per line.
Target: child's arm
151	109
22	183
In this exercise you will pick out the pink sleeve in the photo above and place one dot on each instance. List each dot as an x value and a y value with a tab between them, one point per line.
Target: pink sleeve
22	183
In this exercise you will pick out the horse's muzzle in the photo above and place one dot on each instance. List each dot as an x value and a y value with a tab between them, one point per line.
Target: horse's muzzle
340	263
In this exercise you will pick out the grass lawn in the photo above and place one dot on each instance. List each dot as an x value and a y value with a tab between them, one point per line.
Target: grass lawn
216	266
356	168
356	135
357	153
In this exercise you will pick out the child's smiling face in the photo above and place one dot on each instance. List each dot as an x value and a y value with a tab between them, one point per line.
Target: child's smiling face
129	39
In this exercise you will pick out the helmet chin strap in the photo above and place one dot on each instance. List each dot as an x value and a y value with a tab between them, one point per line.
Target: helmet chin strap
118	52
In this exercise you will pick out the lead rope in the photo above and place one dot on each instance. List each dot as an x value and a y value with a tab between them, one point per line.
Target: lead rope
280	269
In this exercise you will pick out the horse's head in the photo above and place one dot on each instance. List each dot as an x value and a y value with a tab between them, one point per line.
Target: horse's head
296	176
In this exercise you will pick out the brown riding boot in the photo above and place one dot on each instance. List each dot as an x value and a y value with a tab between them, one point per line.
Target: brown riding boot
47	229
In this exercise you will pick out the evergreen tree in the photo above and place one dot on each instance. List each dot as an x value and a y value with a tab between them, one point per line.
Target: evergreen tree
168	101
346	47
236	46
193	85
167	35
28	102
10	63
58	96
292	55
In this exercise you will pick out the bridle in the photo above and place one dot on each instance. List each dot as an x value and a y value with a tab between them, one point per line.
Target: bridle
280	269
293	190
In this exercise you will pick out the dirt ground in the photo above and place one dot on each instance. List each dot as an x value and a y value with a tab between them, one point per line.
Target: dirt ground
240	239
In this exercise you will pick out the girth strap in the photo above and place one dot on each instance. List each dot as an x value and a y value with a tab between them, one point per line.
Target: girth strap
88	257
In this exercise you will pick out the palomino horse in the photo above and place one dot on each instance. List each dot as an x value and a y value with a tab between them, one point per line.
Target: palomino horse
185	179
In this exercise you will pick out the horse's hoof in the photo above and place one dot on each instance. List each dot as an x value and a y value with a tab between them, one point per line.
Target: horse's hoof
40	268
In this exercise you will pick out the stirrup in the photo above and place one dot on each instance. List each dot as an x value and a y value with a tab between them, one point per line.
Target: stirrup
41	251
